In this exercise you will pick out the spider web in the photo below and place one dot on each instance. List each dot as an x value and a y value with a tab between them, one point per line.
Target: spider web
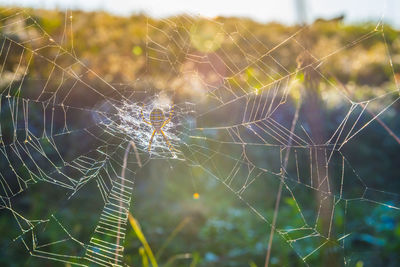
231	114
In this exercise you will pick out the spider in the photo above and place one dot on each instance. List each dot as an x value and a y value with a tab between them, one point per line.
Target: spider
158	121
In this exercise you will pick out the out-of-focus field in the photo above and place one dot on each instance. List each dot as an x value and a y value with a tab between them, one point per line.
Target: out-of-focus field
214	228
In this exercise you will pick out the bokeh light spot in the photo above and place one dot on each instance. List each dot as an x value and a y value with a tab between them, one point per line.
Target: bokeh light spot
206	36
137	50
